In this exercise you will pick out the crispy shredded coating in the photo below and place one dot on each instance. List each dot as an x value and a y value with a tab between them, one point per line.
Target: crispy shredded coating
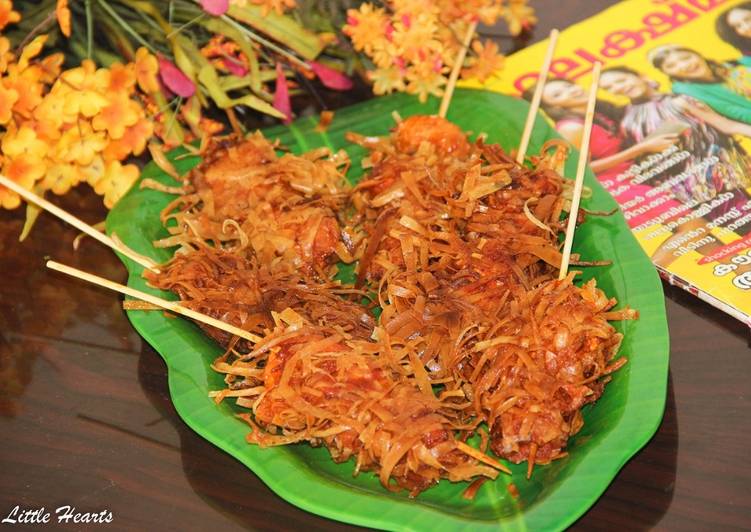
459	247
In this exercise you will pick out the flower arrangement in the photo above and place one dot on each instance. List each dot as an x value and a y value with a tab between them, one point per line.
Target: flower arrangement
161	74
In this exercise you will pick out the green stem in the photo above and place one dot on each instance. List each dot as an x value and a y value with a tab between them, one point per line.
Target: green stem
89	29
184	26
124	25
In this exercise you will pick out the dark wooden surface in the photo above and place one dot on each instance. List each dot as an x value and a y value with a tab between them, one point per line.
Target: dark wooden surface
86	419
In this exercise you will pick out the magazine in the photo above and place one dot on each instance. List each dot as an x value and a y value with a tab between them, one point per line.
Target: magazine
671	139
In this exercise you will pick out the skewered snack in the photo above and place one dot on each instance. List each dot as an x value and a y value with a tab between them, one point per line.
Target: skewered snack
459	245
283	209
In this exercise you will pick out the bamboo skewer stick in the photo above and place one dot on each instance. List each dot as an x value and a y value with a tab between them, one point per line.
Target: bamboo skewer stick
163	303
534	105
77	223
454	76
580	169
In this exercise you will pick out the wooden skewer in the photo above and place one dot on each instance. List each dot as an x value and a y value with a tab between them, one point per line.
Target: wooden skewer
76	222
163	303
534	105
454	76
580	169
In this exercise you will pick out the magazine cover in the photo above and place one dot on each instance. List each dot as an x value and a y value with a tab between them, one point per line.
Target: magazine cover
671	139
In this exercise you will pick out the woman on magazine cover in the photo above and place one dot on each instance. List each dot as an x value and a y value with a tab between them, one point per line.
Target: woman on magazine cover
565	103
725	87
704	133
734	27
612	153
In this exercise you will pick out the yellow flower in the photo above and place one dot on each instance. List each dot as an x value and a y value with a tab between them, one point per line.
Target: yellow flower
116	181
424	79
50	115
84	89
23	141
30	51
79	144
366	27
280	6
7	15
120	113
133	141
24	170
62	12
146	67
387	80
519	16
61	177
487	63
8	98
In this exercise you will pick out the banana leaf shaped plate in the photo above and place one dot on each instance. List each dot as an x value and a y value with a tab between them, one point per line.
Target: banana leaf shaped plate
615	428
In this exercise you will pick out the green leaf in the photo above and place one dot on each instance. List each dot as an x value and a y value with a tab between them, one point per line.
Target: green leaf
210	79
281	28
615	428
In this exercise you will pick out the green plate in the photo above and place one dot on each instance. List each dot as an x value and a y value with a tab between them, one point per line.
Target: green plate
615	428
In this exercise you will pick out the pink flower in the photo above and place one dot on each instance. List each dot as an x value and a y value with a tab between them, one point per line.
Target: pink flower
215	7
333	79
174	78
281	96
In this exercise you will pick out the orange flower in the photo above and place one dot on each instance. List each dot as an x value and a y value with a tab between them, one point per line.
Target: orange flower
6	56
120	113
366	26
122	78
146	69
63	16
132	142
24	170
487	63
8	98
7	15
26	84
51	66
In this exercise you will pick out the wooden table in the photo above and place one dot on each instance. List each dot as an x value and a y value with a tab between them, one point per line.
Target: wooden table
86	419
